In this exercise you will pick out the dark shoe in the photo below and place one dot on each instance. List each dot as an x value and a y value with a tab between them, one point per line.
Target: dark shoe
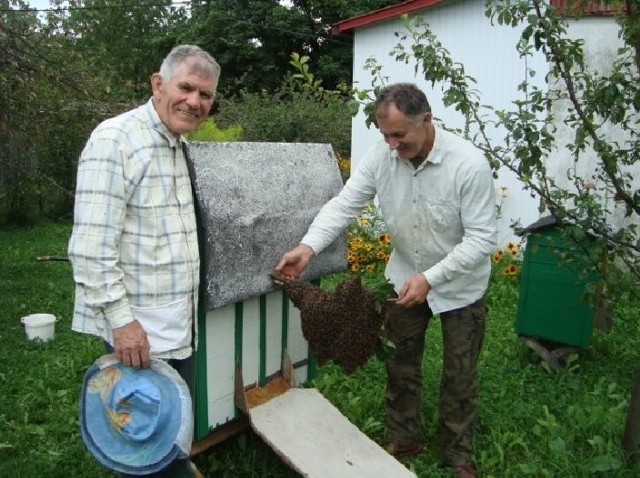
403	451
464	471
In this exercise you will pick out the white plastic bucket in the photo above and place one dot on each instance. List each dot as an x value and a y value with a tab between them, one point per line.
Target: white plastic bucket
39	326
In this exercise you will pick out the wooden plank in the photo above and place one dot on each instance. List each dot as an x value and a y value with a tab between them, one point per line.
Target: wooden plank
219	435
317	441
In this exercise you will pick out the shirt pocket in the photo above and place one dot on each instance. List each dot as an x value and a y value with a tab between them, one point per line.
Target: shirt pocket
442	215
167	326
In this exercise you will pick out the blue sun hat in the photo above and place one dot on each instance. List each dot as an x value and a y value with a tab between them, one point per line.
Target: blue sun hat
135	421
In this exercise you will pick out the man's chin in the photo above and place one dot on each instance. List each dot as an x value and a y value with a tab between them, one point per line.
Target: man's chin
185	128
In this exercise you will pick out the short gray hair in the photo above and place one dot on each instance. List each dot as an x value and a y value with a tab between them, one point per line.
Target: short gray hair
407	97
204	63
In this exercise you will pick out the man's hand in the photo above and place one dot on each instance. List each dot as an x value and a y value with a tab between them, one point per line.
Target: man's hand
293	262
413	292
130	345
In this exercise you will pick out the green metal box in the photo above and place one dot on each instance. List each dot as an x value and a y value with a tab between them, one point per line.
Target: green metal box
551	304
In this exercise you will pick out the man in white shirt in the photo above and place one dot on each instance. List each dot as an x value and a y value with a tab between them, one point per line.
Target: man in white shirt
436	195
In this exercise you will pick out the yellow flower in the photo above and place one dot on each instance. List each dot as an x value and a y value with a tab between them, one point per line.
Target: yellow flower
363	221
513	248
384	238
497	256
511	270
356	242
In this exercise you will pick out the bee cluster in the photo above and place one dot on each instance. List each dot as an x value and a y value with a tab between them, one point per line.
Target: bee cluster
342	325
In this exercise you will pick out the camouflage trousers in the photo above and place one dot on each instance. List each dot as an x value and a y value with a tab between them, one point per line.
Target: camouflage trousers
462	335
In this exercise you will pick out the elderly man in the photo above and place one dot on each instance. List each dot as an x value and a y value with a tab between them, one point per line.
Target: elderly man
134	246
436	194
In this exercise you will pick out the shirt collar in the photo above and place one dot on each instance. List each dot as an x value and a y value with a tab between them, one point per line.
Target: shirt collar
435	155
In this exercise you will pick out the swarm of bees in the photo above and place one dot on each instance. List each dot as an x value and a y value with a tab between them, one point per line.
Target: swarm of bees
342	325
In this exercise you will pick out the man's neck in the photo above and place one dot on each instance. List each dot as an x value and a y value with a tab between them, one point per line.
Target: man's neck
416	161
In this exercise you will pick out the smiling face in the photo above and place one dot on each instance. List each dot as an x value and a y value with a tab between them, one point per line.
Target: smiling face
184	101
410	138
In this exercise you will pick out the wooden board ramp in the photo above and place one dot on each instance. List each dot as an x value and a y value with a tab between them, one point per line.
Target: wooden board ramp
317	441
311	435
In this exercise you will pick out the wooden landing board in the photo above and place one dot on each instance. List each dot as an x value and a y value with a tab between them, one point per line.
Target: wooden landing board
317	441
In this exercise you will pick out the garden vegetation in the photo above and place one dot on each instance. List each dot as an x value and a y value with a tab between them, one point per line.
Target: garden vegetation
534	421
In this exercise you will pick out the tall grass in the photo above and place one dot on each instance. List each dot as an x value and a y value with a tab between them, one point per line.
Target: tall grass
533	422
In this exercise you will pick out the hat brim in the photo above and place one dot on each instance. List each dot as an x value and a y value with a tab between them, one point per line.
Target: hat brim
172	439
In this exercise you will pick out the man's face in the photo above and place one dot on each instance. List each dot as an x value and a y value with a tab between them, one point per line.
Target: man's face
402	134
184	101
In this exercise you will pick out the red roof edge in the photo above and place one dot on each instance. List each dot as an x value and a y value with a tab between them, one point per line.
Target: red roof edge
565	7
587	7
385	13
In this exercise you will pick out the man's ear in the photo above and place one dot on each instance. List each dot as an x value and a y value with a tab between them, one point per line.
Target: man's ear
427	118
156	83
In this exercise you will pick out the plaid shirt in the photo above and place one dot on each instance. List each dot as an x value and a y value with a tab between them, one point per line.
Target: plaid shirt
441	217
134	245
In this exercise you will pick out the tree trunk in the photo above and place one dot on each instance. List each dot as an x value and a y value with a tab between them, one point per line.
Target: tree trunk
631	434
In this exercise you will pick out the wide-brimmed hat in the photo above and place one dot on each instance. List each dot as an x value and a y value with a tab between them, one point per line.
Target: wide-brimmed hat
135	421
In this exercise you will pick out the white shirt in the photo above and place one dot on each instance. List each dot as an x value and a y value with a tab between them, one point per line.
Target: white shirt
441	217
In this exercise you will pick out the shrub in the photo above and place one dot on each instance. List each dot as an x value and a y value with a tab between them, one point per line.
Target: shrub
209	131
289	117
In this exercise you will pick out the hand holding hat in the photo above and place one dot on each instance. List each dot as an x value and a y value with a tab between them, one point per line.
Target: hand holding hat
135	421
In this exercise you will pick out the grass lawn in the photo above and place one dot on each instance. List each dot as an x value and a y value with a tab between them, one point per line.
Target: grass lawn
533	422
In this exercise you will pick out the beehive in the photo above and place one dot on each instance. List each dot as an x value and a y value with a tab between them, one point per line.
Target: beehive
256	201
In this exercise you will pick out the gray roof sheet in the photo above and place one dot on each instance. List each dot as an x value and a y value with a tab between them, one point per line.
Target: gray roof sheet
257	201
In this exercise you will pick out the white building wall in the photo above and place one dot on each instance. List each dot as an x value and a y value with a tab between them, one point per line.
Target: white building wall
601	45
599	49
